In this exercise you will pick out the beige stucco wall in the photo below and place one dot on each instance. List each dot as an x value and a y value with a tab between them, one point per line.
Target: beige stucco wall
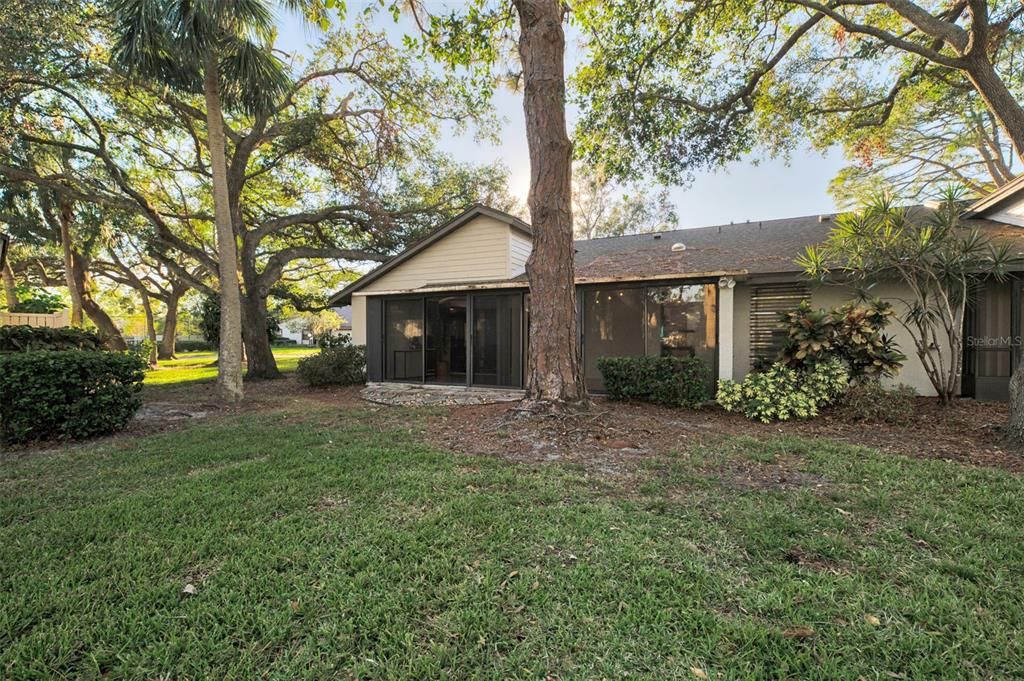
913	373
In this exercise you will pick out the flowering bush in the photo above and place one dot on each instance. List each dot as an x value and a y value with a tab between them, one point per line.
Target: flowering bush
781	393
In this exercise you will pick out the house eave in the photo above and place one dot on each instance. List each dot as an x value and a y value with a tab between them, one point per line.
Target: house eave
580	281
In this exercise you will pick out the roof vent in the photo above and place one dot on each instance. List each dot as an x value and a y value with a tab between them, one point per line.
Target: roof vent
824	218
657	236
679	246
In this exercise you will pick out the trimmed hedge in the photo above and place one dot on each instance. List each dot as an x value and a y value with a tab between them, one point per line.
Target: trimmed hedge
672	381
67	394
340	363
28	338
871	402
193	346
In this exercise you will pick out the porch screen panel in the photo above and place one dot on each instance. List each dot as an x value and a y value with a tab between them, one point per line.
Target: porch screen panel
403	340
498	340
682	322
990	342
767	303
613	326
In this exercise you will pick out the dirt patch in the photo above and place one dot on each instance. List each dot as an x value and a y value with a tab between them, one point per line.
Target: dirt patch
616	437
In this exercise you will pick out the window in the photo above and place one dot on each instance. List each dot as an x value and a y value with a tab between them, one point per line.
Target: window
767	303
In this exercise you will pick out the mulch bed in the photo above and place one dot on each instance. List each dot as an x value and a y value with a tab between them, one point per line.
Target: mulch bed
615	437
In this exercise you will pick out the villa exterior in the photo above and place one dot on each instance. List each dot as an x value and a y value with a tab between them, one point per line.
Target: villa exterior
453	308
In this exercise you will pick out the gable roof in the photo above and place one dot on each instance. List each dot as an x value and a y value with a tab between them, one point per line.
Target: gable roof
422	244
1013	190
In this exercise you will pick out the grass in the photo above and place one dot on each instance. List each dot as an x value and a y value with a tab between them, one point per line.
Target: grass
192	367
325	543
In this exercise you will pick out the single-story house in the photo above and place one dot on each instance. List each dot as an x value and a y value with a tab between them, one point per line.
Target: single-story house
453	308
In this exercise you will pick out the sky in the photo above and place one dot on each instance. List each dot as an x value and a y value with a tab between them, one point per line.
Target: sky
741	191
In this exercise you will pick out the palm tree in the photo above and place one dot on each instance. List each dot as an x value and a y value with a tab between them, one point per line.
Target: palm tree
221	50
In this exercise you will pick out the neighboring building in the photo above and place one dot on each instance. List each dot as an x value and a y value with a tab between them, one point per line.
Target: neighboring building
296	329
453	307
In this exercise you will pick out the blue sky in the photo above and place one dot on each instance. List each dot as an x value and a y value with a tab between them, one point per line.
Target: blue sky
742	191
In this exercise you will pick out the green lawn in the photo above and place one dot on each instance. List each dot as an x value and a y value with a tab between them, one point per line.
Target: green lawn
329	543
190	367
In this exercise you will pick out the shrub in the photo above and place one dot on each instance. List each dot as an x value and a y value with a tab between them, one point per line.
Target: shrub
193	346
871	402
68	394
340	364
28	338
781	393
672	381
852	332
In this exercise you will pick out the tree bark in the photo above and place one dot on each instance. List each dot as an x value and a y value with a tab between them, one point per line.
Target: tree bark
229	364
147	308
259	355
998	98
166	348
1015	424
553	374
65	218
10	293
82	282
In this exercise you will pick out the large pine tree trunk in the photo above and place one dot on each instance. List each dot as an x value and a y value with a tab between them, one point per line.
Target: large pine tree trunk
259	355
10	293
165	350
553	374
229	363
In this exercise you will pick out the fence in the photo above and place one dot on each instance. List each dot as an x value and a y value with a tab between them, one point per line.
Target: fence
54	320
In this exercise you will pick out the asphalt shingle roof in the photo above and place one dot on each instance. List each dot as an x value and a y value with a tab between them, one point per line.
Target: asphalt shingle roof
764	247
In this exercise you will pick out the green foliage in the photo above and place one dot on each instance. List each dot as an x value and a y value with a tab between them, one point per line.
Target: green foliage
67	394
782	393
35	300
932	253
672	381
209	321
28	339
339	362
671	88
871	402
851	332
194	346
